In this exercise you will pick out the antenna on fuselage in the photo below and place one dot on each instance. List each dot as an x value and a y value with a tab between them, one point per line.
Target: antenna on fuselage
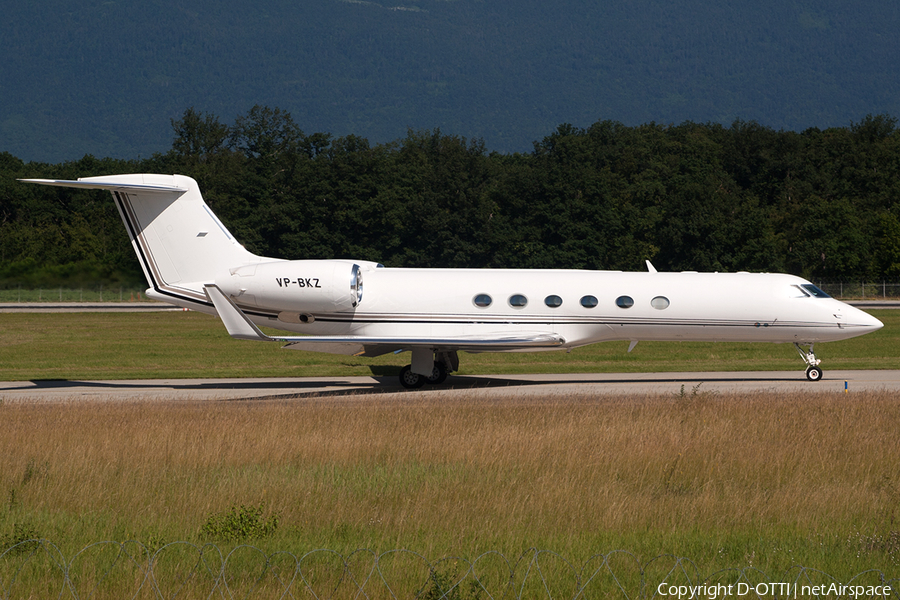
650	267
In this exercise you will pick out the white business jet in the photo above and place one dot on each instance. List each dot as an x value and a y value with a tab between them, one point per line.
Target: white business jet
191	260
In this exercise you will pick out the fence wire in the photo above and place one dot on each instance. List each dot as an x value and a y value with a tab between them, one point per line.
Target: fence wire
14	293
38	569
861	290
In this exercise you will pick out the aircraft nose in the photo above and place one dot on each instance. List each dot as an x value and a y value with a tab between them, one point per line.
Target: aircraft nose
865	321
873	323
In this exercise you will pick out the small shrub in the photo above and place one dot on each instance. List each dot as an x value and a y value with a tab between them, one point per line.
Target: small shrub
441	588
14	541
34	471
154	543
239	524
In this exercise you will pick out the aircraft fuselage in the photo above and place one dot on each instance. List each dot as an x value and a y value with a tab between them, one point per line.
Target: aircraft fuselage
583	307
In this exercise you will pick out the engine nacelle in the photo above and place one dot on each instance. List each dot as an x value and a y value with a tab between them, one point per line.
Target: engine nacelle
296	288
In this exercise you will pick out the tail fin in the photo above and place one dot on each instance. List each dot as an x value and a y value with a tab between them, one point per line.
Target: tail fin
180	243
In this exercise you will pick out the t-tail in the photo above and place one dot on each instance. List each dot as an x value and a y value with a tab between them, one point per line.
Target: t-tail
180	243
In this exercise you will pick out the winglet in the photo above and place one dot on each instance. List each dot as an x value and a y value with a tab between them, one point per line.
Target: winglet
236	322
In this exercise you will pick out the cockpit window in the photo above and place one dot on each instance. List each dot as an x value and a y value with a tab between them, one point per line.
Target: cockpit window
814	291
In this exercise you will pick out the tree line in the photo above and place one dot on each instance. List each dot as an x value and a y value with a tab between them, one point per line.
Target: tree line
702	197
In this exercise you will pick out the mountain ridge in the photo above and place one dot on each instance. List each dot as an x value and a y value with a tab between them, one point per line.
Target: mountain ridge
106	77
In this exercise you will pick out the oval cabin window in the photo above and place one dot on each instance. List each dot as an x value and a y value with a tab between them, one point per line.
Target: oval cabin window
660	302
589	301
624	301
553	301
482	300
518	301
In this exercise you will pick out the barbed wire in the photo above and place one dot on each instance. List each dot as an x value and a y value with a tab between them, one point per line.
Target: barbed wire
37	568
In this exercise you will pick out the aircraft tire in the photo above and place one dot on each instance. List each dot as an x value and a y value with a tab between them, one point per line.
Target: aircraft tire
438	376
410	380
814	373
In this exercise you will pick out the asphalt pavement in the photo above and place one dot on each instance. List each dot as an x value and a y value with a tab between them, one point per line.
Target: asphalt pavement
838	382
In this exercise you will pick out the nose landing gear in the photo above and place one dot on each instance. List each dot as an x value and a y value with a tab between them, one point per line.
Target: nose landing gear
813	372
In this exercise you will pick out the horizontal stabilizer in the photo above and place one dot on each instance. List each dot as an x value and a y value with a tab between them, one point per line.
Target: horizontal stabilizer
242	328
89	183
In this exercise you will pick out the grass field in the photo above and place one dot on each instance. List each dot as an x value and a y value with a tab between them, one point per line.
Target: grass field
765	480
761	480
187	344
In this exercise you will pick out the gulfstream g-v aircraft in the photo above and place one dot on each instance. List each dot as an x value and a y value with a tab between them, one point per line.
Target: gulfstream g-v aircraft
361	308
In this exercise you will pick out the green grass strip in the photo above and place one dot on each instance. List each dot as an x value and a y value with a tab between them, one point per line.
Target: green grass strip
88	346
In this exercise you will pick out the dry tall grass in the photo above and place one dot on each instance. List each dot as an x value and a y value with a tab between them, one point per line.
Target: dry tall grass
767	479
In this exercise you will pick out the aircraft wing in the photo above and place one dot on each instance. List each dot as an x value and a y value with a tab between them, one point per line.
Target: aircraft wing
242	328
376	346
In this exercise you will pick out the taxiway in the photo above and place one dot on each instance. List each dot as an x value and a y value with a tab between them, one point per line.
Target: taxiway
525	385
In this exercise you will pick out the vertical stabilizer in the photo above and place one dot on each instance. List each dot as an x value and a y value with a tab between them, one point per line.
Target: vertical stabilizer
180	243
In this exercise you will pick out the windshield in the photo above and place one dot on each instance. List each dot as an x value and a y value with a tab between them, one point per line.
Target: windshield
814	291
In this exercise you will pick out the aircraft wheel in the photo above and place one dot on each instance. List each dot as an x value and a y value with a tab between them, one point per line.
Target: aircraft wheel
410	380
814	373
438	375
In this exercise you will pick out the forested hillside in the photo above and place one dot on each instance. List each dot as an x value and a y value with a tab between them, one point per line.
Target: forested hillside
104	77
821	203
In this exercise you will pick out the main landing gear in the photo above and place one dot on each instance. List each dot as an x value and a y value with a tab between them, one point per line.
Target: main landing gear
813	372
444	364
